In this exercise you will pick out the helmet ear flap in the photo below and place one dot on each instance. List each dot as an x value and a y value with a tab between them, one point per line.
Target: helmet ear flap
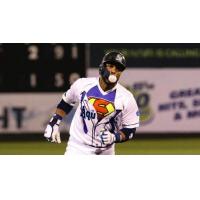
101	68
103	71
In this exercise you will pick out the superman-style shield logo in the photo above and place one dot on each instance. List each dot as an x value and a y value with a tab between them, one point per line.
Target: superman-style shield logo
102	107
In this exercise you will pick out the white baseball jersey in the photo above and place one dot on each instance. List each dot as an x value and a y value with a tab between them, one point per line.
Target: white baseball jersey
99	110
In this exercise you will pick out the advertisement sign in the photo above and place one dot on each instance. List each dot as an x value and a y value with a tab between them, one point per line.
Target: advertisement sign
28	113
168	99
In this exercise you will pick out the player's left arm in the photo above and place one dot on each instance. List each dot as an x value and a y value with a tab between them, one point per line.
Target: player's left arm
130	121
125	134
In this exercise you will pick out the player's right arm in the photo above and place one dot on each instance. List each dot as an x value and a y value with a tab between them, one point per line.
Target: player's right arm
69	98
52	132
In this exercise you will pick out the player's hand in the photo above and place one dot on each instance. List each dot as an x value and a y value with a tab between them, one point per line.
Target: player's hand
52	133
107	137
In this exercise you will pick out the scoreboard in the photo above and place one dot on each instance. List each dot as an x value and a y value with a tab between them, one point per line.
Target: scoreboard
40	67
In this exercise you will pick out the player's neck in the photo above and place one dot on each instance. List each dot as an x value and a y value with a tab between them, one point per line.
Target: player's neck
105	86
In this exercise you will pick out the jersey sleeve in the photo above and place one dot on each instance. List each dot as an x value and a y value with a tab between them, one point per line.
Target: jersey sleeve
130	117
71	96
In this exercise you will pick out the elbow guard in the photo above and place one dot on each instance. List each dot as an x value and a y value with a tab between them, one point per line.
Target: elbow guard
129	133
64	106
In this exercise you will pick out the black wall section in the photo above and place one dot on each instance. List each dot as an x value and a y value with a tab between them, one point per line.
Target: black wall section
150	55
40	67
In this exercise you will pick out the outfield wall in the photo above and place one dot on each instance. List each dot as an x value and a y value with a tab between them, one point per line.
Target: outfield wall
168	99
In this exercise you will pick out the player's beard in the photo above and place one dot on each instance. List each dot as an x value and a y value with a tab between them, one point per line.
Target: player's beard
107	77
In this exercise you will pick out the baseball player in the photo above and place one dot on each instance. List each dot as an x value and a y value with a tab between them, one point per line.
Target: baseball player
107	112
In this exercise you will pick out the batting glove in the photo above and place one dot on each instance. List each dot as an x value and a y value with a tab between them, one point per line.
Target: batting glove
107	137
52	133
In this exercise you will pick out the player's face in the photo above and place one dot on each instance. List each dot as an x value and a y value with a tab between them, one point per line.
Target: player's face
114	70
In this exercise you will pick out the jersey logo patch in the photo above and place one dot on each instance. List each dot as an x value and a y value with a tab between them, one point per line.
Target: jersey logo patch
102	107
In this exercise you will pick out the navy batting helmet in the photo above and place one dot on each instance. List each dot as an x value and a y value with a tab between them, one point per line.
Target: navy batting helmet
115	58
